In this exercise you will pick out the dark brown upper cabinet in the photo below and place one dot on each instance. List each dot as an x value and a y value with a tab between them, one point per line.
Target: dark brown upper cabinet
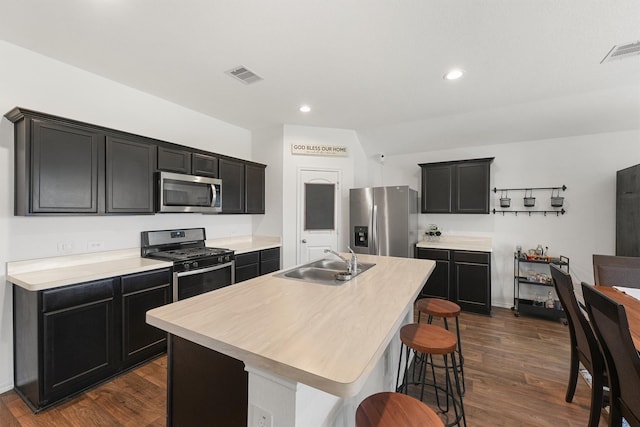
63	166
59	167
187	162
130	168
254	192
204	165
456	187
243	186
174	160
233	192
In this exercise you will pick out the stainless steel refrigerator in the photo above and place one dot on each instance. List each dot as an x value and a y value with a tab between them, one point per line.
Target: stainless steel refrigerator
383	220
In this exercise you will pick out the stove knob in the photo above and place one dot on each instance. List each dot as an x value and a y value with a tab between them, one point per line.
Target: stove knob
220	259
227	258
186	266
195	264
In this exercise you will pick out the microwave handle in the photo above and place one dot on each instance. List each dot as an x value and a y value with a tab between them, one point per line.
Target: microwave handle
214	194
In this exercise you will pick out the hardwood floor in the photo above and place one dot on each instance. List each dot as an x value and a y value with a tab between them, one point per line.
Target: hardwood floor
516	371
137	398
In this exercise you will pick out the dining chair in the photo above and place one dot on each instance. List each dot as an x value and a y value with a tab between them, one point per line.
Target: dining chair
609	320
584	345
611	270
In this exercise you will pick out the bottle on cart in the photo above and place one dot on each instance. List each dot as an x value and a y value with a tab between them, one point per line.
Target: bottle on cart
550	302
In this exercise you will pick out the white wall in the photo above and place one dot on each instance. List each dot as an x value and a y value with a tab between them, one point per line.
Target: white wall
354	169
36	82
586	164
267	149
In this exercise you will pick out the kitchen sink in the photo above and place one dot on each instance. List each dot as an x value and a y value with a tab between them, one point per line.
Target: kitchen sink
324	271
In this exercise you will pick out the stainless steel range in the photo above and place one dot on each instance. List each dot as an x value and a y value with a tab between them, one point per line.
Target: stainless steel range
196	268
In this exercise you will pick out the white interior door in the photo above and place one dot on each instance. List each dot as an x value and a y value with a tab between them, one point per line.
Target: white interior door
318	212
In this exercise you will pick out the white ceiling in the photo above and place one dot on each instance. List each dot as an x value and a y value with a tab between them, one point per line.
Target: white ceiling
532	66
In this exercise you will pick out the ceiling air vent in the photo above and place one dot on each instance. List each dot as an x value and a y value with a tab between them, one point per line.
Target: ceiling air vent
622	51
243	74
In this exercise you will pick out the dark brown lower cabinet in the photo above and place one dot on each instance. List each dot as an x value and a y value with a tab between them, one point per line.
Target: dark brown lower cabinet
205	387
463	277
253	264
140	293
269	260
438	283
64	340
71	338
472	279
247	266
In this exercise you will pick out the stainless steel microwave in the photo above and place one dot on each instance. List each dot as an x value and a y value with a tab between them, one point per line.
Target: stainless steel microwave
188	193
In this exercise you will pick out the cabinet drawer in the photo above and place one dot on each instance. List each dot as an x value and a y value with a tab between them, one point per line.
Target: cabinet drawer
474	257
140	281
434	254
248	258
269	266
73	295
270	254
246	272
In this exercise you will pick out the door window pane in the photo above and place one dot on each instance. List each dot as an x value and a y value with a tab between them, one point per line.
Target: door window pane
319	206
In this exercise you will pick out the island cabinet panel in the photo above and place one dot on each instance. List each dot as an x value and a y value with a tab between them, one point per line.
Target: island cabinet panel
174	160
140	293
456	187
66	168
205	385
71	338
233	185
130	167
204	165
254	194
463	277
438	283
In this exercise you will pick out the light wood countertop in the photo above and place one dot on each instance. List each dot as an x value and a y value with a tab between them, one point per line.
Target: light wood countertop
244	244
328	337
459	243
49	273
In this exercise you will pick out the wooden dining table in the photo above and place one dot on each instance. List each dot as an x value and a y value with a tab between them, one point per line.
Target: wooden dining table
631	306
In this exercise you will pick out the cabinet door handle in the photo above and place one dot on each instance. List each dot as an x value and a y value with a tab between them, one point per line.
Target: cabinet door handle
304	240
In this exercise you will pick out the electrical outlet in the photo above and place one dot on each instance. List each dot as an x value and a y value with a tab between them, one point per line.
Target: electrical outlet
65	246
261	417
95	245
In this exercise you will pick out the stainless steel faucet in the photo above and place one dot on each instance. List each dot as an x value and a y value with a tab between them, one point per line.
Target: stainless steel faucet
352	264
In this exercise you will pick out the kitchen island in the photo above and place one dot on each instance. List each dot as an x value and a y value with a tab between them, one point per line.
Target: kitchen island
311	352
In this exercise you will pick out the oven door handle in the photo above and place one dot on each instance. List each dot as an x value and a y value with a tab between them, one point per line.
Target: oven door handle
205	270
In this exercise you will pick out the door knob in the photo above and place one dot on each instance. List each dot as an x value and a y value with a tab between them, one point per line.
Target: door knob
304	240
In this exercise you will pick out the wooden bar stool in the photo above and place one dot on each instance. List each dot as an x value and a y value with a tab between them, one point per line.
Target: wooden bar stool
427	341
390	409
436	307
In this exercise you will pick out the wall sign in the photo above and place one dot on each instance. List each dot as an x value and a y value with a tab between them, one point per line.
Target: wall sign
319	150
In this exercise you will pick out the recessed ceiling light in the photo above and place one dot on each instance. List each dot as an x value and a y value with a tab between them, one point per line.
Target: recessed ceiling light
454	74
305	108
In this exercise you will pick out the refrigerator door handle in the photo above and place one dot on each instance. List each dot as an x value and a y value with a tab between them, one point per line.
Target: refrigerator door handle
374	230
